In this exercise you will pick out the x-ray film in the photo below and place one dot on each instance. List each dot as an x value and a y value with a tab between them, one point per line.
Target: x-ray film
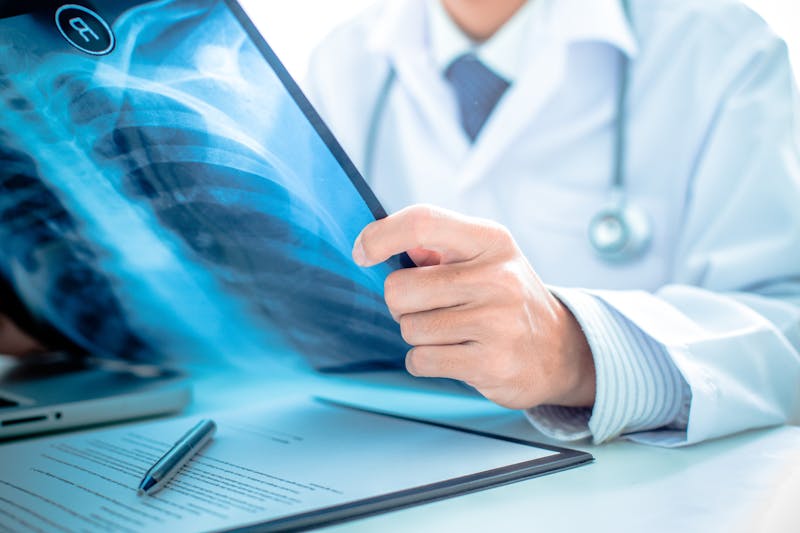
165	190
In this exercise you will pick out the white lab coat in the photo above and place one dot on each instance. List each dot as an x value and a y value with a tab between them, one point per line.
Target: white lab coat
713	156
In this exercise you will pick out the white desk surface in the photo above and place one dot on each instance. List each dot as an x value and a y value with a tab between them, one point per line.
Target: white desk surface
747	482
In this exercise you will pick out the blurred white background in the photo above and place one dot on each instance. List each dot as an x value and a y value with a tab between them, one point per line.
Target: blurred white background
293	28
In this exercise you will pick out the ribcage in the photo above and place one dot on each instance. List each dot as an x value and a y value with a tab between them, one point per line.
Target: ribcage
52	266
224	205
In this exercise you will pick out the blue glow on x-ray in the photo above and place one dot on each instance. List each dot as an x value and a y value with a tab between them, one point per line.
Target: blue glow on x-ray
170	199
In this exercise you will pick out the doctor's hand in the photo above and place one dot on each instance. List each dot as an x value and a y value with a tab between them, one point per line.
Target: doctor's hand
474	310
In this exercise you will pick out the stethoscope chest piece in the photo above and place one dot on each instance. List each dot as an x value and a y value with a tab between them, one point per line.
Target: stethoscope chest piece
620	233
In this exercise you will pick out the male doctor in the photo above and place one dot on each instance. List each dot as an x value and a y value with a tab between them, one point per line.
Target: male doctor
616	243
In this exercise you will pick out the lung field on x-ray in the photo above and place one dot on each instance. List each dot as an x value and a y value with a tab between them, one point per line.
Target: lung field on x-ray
201	200
48	259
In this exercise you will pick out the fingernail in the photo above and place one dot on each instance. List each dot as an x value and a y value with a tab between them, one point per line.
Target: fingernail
359	256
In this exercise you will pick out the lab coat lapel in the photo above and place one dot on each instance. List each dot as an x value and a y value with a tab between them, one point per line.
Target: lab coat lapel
401	35
430	92
559	23
524	99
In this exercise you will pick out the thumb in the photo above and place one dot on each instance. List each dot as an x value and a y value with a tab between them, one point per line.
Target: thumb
429	234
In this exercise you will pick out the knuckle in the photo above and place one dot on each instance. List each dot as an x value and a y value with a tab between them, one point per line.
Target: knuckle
498	235
519	329
423	211
503	281
411	362
511	283
392	289
504	276
408	328
504	236
415	362
421	218
369	240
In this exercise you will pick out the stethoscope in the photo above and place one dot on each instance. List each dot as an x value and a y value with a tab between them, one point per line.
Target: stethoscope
619	232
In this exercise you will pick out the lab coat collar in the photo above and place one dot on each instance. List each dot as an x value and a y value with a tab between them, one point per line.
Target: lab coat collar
401	33
502	53
401	24
557	26
595	20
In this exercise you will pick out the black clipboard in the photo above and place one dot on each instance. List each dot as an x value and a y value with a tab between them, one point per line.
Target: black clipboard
563	459
290	464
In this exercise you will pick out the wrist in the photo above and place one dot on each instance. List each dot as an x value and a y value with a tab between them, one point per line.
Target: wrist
578	375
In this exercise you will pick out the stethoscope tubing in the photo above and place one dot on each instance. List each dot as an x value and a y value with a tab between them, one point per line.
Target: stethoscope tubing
634	229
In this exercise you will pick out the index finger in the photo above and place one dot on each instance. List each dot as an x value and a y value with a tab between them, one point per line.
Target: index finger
455	237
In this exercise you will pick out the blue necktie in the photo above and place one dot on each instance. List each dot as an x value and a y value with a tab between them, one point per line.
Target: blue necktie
478	90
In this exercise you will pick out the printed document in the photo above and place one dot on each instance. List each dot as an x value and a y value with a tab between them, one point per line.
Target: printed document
296	457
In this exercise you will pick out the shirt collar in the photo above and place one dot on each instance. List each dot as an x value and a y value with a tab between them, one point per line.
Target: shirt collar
423	26
501	53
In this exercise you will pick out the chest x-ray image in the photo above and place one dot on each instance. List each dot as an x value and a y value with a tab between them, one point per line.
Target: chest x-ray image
171	198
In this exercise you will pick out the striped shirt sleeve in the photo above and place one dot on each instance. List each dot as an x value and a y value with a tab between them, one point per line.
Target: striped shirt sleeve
638	386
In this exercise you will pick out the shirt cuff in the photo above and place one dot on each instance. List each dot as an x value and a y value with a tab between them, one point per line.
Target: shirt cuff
638	386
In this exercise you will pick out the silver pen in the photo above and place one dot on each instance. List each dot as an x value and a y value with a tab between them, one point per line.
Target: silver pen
180	454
